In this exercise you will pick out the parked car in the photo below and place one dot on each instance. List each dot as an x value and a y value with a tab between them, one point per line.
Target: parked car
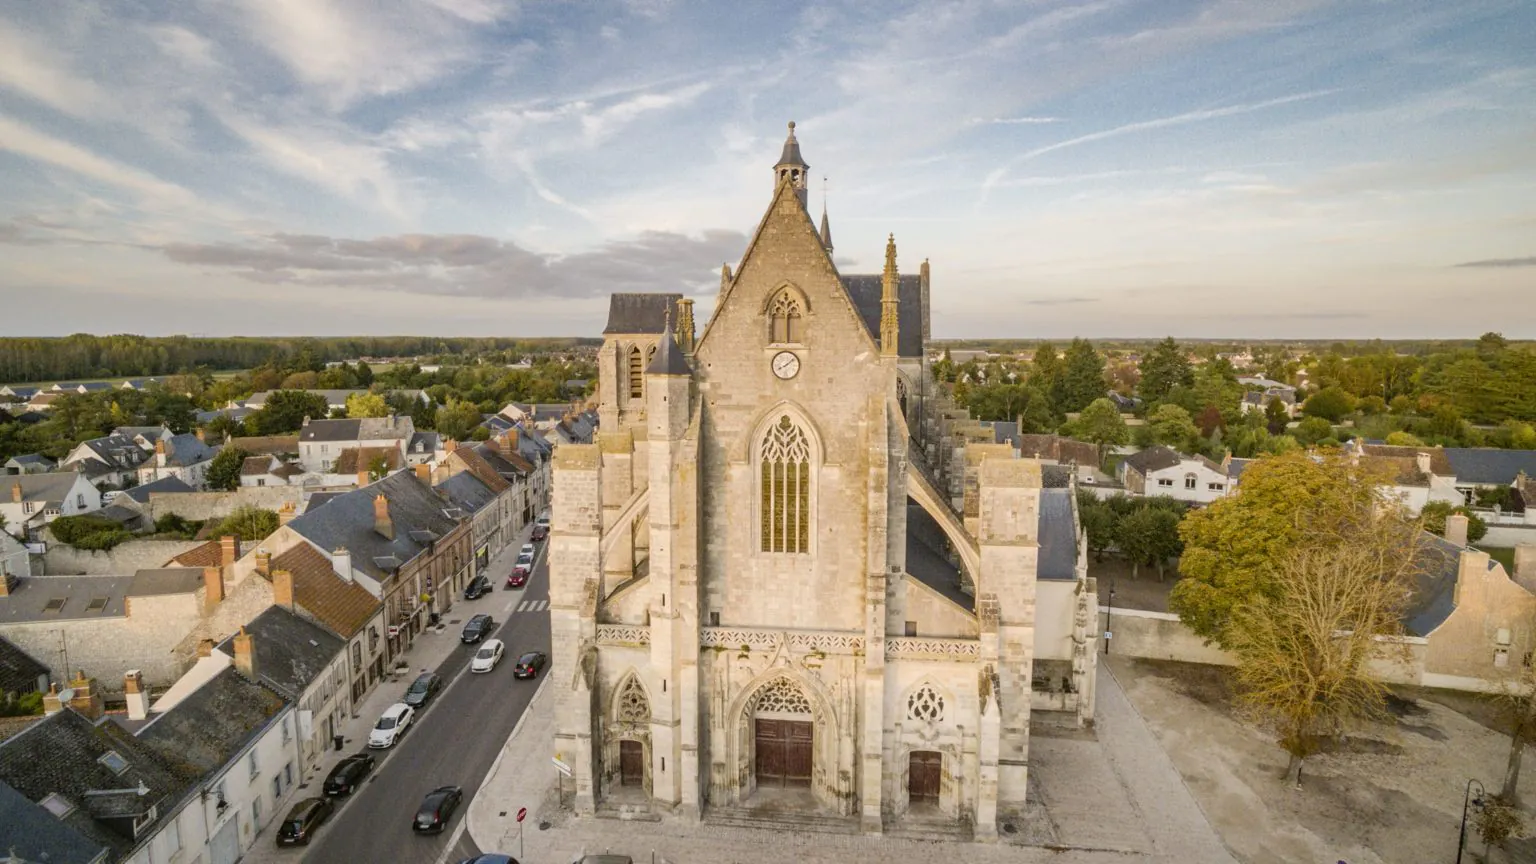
490	858
530	665
540	533
348	774
436	809
488	656
528	551
518	577
477	628
304	818
392	724
606	859
543	519
478	587
422	690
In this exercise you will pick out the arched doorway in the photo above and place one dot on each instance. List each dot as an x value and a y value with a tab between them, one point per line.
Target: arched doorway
784	737
924	769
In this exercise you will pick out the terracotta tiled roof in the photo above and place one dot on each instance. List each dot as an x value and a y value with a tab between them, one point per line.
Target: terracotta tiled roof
209	554
476	465
1439	463
256	466
355	459
343	606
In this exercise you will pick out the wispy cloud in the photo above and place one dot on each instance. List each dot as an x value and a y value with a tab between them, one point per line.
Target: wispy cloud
26	141
1501	262
1013	121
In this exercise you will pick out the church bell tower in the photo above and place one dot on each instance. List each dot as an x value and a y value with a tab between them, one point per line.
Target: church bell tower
792	167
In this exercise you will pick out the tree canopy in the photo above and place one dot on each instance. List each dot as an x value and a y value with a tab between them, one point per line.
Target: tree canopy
1172	426
1162	369
367	405
1082	378
224	470
1100	423
285	412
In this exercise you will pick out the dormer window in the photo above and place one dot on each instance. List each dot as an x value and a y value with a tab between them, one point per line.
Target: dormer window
786	318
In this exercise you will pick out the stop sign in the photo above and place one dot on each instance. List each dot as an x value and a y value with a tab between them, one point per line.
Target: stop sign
522	813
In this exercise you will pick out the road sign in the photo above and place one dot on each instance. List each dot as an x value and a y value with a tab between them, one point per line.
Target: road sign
561	766
1109	634
522	813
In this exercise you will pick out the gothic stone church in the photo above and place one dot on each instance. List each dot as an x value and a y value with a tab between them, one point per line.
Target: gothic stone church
789	574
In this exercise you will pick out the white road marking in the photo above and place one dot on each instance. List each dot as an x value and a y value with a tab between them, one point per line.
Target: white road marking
523	606
507	609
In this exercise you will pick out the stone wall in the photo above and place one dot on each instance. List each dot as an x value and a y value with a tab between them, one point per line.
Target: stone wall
105	648
1156	636
121	560
217	505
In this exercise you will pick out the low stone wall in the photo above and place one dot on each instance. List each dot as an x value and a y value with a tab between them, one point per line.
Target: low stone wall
217	505
121	560
1156	636
1508	535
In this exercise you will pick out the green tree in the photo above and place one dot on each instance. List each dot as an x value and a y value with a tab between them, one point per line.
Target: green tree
1210	421
1330	403
224	470
1099	522
1171	426
1082	378
1100	423
286	411
250	524
1234	546
1162	369
1372	405
366	405
457	420
1149	536
1404	439
1276	416
1434	515
1045	369
1312	430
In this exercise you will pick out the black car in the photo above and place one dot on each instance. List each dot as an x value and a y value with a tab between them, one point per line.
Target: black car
540	533
490	858
437	809
348	774
306	816
477	628
529	665
478	587
422	690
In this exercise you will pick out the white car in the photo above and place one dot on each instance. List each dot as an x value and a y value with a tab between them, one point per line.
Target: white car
526	551
391	726
488	656
544	519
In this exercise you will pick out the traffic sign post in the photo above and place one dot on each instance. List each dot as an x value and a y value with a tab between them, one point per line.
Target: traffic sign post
522	813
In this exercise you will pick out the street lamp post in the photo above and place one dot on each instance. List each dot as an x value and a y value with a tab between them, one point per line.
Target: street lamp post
1466	801
1109	617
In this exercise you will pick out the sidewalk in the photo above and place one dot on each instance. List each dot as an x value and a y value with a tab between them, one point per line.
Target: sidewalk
1145	814
427	652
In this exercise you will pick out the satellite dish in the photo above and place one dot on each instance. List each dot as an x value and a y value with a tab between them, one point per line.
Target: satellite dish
67	695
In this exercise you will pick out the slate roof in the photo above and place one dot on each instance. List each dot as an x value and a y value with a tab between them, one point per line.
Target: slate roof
318	500
151	433
184	451
1153	459
31	459
1484	466
19	671
29	600
1058	536
1005	432
928	560
330	430
116	451
1236	467
1439	461
364	429
165	580
61	754
669	358
639	313
864	289
1435	597
343	606
1055	476
30	833
347	520
425	441
204	731
290	652
23	393
1057	448
163	486
50	488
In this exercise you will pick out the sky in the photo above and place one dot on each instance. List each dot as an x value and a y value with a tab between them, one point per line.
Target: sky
1104	168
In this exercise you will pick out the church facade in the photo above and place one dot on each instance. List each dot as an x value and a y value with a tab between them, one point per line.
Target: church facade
790	574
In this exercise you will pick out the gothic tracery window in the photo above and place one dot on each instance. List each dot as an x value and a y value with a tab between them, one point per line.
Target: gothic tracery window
925	703
785	491
782	697
636	373
634	707
786	318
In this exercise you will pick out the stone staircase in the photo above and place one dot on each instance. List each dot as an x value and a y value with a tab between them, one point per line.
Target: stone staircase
936	830
771	820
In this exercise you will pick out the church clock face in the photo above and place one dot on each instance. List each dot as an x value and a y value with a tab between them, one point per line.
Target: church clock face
786	365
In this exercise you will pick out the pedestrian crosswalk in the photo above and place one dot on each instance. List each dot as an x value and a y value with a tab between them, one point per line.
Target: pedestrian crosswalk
533	606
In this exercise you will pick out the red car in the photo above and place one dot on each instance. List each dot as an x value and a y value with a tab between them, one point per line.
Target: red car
540	533
519	577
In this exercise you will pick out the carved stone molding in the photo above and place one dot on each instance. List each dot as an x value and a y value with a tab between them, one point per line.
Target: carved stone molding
767	639
911	647
623	634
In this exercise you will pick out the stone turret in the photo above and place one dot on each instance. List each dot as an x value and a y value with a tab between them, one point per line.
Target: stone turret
889	303
792	167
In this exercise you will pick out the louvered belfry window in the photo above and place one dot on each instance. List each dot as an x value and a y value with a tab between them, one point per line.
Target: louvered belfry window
786	488
636	373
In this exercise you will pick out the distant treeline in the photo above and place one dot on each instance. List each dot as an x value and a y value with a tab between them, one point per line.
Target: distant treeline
28	359
1212	347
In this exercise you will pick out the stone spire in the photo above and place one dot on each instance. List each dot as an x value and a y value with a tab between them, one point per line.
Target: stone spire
725	276
826	229
889	282
792	167
669	358
685	335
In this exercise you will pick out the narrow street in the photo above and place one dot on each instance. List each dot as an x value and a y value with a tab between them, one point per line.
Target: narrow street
454	740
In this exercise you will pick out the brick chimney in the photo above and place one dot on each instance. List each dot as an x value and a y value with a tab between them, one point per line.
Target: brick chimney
1525	562
362	477
245	654
205	648
160	453
1422	460
450	445
381	520
263	562
15	493
87	696
229	550
202	436
136	695
7	584
286	513
342	560
51	703
424	473
213	585
1456	529
282	589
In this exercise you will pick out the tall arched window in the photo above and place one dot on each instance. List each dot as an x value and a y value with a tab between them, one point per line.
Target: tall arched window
636	373
785	479
786	318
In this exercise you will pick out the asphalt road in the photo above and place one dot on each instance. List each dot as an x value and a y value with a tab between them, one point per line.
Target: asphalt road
453	741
